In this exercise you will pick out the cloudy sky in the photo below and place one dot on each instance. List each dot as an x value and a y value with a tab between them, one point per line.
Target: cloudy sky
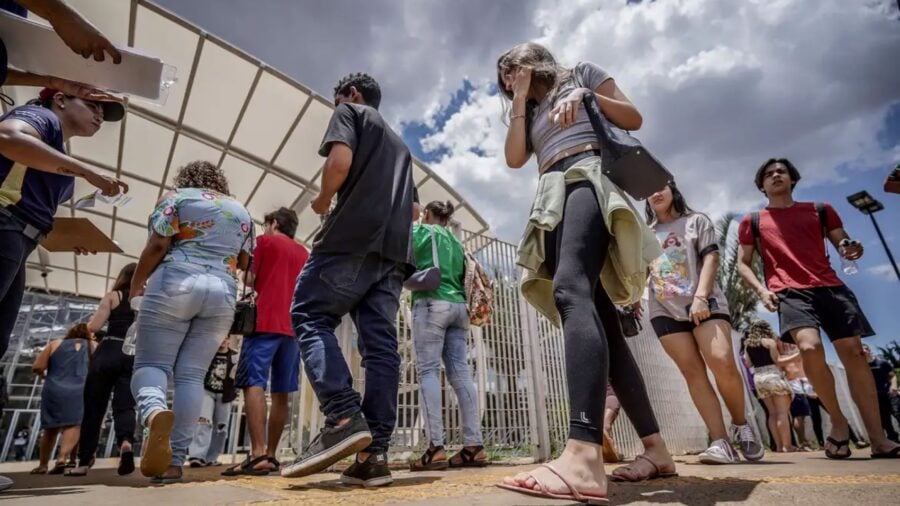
722	85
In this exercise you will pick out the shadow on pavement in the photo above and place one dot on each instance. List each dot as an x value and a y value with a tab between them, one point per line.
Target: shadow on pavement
337	486
684	490
33	484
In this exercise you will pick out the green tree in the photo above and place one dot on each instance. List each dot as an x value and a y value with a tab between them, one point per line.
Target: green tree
742	300
891	353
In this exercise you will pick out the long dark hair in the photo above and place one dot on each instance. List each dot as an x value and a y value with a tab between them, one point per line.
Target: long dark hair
678	203
546	74
123	280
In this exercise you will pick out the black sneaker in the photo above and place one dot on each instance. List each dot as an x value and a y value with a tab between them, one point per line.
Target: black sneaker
374	472
331	445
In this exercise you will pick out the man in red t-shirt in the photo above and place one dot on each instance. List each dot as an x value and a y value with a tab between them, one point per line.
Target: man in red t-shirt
808	295
277	261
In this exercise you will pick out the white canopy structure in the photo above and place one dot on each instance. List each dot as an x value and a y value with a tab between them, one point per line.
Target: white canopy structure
262	127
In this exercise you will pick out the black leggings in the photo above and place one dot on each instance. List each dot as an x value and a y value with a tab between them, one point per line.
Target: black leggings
109	373
595	347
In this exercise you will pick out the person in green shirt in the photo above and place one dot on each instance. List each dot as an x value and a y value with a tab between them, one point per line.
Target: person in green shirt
441	329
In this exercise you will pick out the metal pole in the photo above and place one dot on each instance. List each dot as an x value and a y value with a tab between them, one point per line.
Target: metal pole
886	249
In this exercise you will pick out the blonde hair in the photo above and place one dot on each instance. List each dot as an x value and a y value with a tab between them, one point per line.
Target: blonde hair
757	331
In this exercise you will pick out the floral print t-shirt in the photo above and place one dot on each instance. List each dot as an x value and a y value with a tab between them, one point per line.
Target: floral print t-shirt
207	228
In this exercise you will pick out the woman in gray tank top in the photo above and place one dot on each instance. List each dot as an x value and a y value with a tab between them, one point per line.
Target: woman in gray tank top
63	364
545	120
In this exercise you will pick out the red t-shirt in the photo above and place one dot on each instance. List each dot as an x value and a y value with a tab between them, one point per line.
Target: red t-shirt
277	261
793	250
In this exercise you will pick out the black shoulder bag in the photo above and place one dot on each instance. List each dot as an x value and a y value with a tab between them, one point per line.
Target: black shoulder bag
244	322
623	159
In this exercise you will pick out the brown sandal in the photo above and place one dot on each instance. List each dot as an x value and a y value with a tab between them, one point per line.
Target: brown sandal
573	495
468	458
655	474
427	463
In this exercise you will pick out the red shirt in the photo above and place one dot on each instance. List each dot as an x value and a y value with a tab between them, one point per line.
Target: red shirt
793	250
277	261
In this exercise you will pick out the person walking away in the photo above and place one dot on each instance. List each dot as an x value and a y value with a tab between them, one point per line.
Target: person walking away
689	313
802	286
109	375
801	407
20	443
200	236
761	351
211	431
569	241
441	329
63	364
885	380
277	261
360	258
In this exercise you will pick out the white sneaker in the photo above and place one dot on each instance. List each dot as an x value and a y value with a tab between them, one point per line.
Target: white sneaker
719	452
750	447
5	483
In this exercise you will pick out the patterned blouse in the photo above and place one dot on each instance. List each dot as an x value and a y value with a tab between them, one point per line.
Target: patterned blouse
207	227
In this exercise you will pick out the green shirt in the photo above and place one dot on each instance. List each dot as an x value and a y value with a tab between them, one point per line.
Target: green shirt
451	257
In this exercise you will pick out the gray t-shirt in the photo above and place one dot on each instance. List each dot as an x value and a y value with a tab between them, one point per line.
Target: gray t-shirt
547	138
674	276
373	213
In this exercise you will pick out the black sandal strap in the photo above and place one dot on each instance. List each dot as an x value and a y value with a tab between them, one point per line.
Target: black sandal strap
429	454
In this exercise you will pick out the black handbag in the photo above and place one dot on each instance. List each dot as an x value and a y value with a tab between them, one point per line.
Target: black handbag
628	320
244	322
623	159
426	280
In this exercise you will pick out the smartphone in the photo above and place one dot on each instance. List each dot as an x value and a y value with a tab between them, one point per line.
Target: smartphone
713	305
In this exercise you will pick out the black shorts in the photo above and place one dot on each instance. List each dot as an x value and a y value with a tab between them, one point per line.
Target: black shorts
664	325
800	406
833	309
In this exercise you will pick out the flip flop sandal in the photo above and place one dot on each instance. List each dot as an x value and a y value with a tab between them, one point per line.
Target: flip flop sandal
248	468
656	474
833	453
574	494
126	463
80	471
39	470
58	469
893	454
426	461
162	480
276	466
467	458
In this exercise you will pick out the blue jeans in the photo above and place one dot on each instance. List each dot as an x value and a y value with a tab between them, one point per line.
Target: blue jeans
13	255
368	289
441	329
185	315
211	430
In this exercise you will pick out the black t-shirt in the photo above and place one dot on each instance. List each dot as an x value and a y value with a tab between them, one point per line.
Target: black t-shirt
374	205
882	370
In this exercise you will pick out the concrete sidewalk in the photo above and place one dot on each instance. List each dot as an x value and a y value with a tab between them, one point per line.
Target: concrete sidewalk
800	478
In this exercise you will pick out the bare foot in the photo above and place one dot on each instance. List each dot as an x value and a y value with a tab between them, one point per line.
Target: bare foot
885	446
582	465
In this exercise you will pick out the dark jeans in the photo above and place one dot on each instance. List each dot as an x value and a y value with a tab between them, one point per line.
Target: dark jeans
368	289
14	250
110	373
575	253
884	409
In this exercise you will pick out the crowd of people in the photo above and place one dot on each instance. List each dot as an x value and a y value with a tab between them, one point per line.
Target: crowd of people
585	251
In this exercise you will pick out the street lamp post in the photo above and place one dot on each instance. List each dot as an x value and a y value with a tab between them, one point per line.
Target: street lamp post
869	206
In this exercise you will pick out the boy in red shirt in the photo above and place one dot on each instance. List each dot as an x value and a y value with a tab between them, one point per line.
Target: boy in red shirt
277	261
808	295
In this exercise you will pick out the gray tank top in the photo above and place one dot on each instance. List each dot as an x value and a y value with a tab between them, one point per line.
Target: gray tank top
546	137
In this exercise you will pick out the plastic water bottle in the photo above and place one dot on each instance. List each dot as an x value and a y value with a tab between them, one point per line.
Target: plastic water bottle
130	342
848	266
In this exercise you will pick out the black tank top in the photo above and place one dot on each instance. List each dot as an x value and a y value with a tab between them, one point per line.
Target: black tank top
121	317
759	356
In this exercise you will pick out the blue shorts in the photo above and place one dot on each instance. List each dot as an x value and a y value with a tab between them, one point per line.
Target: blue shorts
262	352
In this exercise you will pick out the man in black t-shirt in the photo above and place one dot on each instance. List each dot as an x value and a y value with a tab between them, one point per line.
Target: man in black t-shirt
884	382
359	260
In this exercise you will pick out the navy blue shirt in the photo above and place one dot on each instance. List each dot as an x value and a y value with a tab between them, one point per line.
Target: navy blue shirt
31	194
